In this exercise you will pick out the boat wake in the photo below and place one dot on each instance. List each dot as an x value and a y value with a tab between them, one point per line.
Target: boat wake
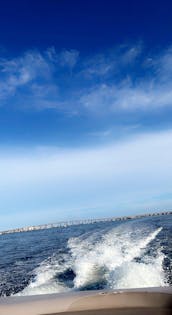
127	256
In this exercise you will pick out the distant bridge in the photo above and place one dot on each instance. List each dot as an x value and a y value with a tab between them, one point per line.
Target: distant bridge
78	222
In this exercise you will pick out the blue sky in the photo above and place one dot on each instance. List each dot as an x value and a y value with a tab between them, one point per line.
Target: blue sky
85	109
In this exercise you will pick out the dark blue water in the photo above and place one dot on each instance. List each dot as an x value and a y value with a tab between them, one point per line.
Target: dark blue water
129	254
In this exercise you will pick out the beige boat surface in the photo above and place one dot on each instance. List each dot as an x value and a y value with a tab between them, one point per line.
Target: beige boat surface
147	301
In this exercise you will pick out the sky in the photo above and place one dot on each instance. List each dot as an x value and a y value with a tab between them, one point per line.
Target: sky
85	109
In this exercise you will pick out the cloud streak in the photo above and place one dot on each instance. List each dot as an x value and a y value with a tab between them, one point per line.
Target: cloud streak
123	176
31	79
122	79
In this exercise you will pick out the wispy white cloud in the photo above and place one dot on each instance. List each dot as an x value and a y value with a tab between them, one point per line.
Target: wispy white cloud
69	58
22	72
110	98
31	76
123	79
151	90
110	63
162	64
102	133
66	57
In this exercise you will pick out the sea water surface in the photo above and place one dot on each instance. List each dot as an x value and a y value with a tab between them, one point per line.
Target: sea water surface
106	255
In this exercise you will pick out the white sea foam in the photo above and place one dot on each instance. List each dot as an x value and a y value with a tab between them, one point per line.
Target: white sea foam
45	280
136	275
114	254
116	257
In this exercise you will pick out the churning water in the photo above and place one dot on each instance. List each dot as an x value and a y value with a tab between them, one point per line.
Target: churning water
131	254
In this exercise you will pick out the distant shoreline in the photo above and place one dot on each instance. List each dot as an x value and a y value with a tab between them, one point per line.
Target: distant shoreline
84	221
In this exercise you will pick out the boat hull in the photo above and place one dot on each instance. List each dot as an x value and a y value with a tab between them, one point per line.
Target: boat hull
119	302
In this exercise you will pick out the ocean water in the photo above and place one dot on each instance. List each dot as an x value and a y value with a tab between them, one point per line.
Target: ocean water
108	255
